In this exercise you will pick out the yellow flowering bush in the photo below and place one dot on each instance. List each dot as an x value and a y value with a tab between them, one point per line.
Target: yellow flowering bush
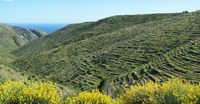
140	94
17	92
43	93
10	91
94	97
174	91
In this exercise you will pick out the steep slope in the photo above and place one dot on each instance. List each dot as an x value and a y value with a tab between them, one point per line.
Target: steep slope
88	55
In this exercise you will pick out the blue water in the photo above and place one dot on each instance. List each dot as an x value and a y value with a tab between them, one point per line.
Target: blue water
49	28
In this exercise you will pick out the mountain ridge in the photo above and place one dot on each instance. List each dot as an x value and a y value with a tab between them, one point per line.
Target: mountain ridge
74	29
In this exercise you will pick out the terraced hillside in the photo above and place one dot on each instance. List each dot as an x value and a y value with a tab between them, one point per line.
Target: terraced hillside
90	55
182	62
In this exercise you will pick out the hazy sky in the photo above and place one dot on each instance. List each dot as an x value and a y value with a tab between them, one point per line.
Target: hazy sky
71	11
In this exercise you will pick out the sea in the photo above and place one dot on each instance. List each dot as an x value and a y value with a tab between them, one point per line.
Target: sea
48	28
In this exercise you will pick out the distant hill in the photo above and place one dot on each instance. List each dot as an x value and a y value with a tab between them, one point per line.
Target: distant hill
13	37
46	27
115	51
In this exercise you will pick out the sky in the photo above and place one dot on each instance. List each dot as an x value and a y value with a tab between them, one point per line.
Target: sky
75	11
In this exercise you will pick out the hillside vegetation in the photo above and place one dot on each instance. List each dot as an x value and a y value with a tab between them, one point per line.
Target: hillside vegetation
116	51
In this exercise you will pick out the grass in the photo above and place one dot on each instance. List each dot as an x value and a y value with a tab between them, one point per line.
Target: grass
8	73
